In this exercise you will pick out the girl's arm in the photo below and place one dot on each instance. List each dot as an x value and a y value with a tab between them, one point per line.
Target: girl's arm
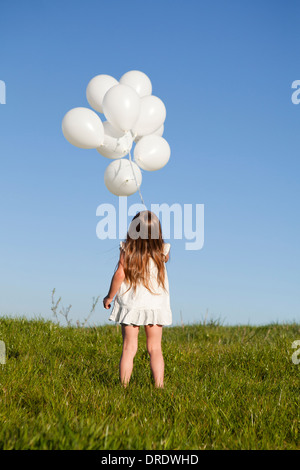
115	284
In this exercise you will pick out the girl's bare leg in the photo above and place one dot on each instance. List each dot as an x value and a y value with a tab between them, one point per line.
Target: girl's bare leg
130	344
154	336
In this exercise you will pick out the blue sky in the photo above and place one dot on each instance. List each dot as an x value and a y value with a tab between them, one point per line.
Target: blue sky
224	70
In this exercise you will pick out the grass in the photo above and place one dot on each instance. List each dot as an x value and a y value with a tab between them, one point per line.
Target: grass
225	388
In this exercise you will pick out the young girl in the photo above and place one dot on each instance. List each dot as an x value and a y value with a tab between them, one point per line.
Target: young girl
141	284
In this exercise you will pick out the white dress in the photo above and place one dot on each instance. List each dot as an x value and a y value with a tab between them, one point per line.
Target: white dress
142	307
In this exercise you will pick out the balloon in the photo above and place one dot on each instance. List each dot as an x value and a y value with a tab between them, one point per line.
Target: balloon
116	144
121	106
132	114
152	116
159	132
96	89
83	128
138	81
152	152
119	177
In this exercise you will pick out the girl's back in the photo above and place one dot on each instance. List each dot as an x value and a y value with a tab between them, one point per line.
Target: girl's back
141	289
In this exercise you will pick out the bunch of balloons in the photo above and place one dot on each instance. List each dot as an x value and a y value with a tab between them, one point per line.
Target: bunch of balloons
133	115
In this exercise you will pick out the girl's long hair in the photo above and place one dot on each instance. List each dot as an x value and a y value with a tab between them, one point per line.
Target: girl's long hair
144	241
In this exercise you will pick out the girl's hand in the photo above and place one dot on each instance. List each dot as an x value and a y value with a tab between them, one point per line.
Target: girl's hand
107	302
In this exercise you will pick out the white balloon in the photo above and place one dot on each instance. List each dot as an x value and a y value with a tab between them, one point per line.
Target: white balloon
112	131
152	152
83	128
119	177
139	81
121	106
96	89
159	132
116	144
152	116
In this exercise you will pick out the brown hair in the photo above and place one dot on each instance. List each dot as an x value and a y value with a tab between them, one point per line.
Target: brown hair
144	241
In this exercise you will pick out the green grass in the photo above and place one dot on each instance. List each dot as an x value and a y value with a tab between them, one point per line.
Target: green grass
225	388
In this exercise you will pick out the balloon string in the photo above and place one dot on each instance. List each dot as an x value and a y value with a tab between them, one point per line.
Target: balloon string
137	185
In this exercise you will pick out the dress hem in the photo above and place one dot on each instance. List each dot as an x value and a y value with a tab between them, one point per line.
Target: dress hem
140	317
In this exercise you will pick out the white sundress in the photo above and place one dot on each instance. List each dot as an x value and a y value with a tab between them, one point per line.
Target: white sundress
142	307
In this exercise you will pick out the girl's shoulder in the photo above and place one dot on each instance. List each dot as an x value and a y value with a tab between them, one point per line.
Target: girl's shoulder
167	247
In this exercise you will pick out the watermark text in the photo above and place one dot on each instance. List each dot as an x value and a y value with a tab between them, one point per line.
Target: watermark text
296	354
296	94
2	92
178	221
2	353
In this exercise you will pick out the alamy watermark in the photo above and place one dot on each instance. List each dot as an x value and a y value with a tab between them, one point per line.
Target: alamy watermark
296	354
180	222
2	92
296	94
2	353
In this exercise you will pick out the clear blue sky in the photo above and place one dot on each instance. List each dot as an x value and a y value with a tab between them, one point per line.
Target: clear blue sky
224	70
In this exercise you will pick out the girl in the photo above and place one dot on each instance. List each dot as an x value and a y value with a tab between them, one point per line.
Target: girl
141	284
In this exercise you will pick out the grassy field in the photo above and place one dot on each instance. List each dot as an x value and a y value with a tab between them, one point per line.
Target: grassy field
225	388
